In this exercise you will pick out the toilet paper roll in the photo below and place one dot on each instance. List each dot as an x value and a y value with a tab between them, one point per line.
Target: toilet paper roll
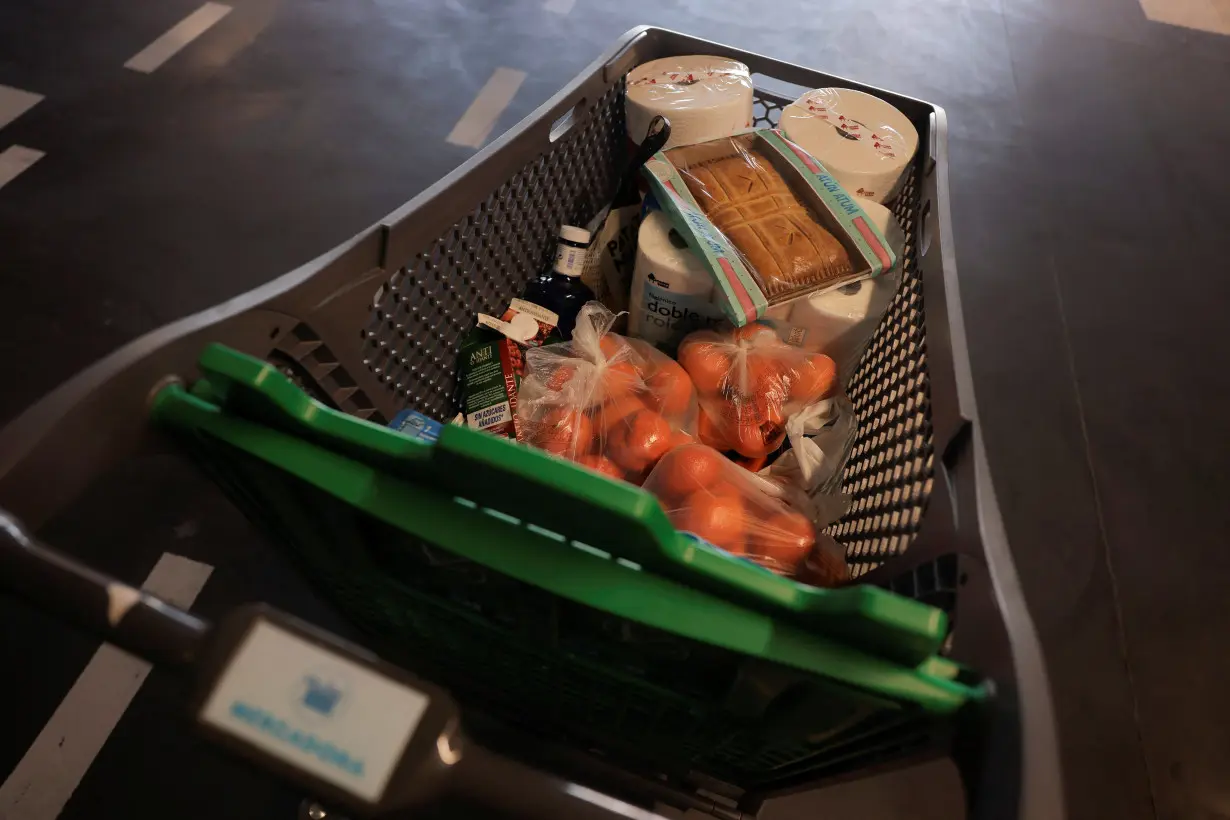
703	97
864	142
672	290
841	322
883	219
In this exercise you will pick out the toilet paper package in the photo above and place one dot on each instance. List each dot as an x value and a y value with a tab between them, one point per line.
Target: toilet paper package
805	233
672	289
703	97
841	322
863	141
838	323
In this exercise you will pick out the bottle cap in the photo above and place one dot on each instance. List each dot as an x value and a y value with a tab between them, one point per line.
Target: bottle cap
573	234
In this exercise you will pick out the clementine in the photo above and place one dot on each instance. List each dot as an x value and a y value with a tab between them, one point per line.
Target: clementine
709	432
687	470
564	432
671	389
601	464
715	517
816	378
784	537
707	363
641	441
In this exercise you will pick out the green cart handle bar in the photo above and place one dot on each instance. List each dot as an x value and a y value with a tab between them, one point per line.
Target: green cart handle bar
329	717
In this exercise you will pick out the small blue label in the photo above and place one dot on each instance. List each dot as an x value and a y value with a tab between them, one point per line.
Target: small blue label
304	740
414	424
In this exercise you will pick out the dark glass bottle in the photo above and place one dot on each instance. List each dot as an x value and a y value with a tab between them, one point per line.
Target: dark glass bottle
559	288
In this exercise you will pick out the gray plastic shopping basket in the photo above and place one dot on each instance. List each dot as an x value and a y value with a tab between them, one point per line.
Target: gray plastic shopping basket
373	326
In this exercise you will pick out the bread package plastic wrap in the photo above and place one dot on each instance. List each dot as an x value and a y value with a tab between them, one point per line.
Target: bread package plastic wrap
613	404
767	220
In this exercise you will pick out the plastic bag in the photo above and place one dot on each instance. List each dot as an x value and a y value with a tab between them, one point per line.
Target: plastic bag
825	565
749	383
821	436
613	404
708	495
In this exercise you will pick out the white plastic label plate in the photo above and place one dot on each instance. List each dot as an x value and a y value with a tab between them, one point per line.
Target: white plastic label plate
314	709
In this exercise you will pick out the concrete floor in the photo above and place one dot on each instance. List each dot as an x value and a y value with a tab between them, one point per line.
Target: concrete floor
1089	186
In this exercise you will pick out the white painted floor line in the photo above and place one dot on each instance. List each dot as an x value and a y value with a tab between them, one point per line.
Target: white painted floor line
1203	15
14	102
476	123
14	160
54	764
559	6
181	34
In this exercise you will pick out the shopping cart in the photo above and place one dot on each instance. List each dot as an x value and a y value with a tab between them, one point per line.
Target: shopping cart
572	624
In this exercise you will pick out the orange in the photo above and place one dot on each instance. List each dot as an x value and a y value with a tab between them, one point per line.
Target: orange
680	439
710	433
715	517
756	334
618	379
671	389
770	387
708	365
615	347
752	465
687	470
611	416
601	464
560	376
733	410
767	374
824	567
643	439
749	440
816	378
785	537
646	358
564	432
771	409
773	437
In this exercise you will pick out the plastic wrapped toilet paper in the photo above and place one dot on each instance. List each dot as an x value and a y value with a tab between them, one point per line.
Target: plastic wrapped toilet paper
703	97
672	290
864	142
886	222
841	322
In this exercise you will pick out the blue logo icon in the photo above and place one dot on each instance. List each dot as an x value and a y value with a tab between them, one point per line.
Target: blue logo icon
320	696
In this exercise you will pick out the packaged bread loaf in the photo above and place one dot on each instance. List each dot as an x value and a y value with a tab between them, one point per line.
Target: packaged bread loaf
767	220
747	200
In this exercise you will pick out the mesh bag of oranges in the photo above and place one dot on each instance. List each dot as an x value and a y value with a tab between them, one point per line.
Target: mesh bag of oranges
708	495
613	404
749	383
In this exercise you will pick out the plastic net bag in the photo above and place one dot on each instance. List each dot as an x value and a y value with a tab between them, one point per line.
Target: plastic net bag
706	494
749	383
613	404
825	565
